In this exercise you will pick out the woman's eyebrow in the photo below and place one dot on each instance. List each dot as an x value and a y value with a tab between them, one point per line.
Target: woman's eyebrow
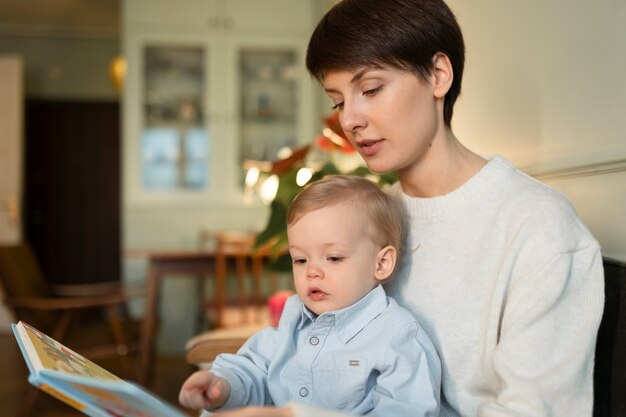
360	74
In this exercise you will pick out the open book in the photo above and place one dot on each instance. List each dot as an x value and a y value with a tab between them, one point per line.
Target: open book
71	378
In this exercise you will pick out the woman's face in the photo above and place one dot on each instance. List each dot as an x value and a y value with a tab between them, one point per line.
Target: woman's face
391	116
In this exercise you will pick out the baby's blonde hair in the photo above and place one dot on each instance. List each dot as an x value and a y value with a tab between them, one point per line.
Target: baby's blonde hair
387	220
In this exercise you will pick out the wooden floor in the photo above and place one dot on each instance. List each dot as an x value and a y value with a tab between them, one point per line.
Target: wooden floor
170	373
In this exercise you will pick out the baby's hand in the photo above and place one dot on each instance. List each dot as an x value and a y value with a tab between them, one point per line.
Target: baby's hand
203	390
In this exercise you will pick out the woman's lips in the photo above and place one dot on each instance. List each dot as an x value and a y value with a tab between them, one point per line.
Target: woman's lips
316	294
369	147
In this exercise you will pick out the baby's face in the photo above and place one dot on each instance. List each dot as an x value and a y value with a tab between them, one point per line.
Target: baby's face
334	260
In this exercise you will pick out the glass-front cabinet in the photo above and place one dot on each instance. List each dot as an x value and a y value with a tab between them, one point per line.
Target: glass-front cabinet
174	147
202	103
268	102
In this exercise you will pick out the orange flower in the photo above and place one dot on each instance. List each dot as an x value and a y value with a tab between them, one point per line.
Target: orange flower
334	138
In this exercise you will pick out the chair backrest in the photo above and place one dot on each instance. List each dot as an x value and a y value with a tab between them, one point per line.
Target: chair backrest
226	241
21	277
610	362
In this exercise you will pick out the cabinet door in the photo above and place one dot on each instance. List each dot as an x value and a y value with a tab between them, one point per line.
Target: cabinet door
175	138
172	137
270	97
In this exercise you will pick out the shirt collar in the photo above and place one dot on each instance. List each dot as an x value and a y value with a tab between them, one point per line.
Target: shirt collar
351	320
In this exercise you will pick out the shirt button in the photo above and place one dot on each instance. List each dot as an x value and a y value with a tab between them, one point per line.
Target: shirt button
303	392
314	341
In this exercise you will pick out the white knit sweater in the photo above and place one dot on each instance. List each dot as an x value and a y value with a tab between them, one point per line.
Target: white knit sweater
509	285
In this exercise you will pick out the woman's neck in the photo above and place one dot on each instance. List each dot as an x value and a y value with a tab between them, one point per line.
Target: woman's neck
446	167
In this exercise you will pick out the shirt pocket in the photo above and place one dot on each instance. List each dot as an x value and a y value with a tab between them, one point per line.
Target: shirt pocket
340	380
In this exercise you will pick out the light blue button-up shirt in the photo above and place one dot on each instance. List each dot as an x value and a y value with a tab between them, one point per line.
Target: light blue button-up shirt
369	358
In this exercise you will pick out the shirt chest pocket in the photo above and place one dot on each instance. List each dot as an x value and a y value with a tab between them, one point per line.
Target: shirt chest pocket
340	380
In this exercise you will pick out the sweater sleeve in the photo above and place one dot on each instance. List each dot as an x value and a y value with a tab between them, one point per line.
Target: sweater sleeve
545	353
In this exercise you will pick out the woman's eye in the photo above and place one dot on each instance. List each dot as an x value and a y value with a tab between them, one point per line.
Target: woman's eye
372	91
338	106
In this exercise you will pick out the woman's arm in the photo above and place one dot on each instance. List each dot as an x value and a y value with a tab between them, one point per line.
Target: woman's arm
545	352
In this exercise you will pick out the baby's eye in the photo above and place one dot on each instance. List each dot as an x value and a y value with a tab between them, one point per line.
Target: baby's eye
335	259
299	261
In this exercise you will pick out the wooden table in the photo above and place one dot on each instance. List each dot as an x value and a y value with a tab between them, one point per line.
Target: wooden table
192	263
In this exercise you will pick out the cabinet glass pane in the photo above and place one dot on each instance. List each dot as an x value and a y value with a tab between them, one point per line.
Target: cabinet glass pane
268	102
175	139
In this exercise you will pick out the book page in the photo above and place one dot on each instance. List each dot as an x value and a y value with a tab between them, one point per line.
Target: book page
52	355
126	400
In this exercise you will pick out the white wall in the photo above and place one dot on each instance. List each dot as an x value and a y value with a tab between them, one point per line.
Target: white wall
600	200
544	86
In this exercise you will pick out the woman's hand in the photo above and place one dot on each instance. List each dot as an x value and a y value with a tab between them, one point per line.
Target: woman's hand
257	412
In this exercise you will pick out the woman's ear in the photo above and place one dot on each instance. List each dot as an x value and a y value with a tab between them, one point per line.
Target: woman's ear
385	262
442	75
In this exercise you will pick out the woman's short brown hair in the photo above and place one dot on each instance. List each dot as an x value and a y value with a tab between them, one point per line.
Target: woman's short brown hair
404	34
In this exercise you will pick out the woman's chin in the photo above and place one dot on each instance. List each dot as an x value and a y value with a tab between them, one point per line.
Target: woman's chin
379	167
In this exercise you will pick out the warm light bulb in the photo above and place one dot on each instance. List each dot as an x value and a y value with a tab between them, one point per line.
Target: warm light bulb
303	176
269	188
284	152
252	176
117	72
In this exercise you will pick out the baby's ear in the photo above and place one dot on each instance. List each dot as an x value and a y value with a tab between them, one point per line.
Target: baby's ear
385	262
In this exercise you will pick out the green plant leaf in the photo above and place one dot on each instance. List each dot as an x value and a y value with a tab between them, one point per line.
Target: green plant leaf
275	225
281	264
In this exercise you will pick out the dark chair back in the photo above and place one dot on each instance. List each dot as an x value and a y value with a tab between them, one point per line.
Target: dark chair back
21	277
610	363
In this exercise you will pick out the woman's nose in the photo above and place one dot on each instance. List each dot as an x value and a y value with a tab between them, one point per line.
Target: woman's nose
351	118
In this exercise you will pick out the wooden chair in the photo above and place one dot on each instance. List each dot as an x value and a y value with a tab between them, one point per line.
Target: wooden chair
202	349
232	257
235	257
88	318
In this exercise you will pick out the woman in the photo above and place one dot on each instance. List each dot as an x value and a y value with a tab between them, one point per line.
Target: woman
503	276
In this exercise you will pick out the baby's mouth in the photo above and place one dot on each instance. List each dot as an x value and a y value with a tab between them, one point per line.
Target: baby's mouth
316	294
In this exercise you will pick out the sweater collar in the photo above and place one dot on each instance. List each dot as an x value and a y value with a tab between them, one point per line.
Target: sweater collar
476	191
